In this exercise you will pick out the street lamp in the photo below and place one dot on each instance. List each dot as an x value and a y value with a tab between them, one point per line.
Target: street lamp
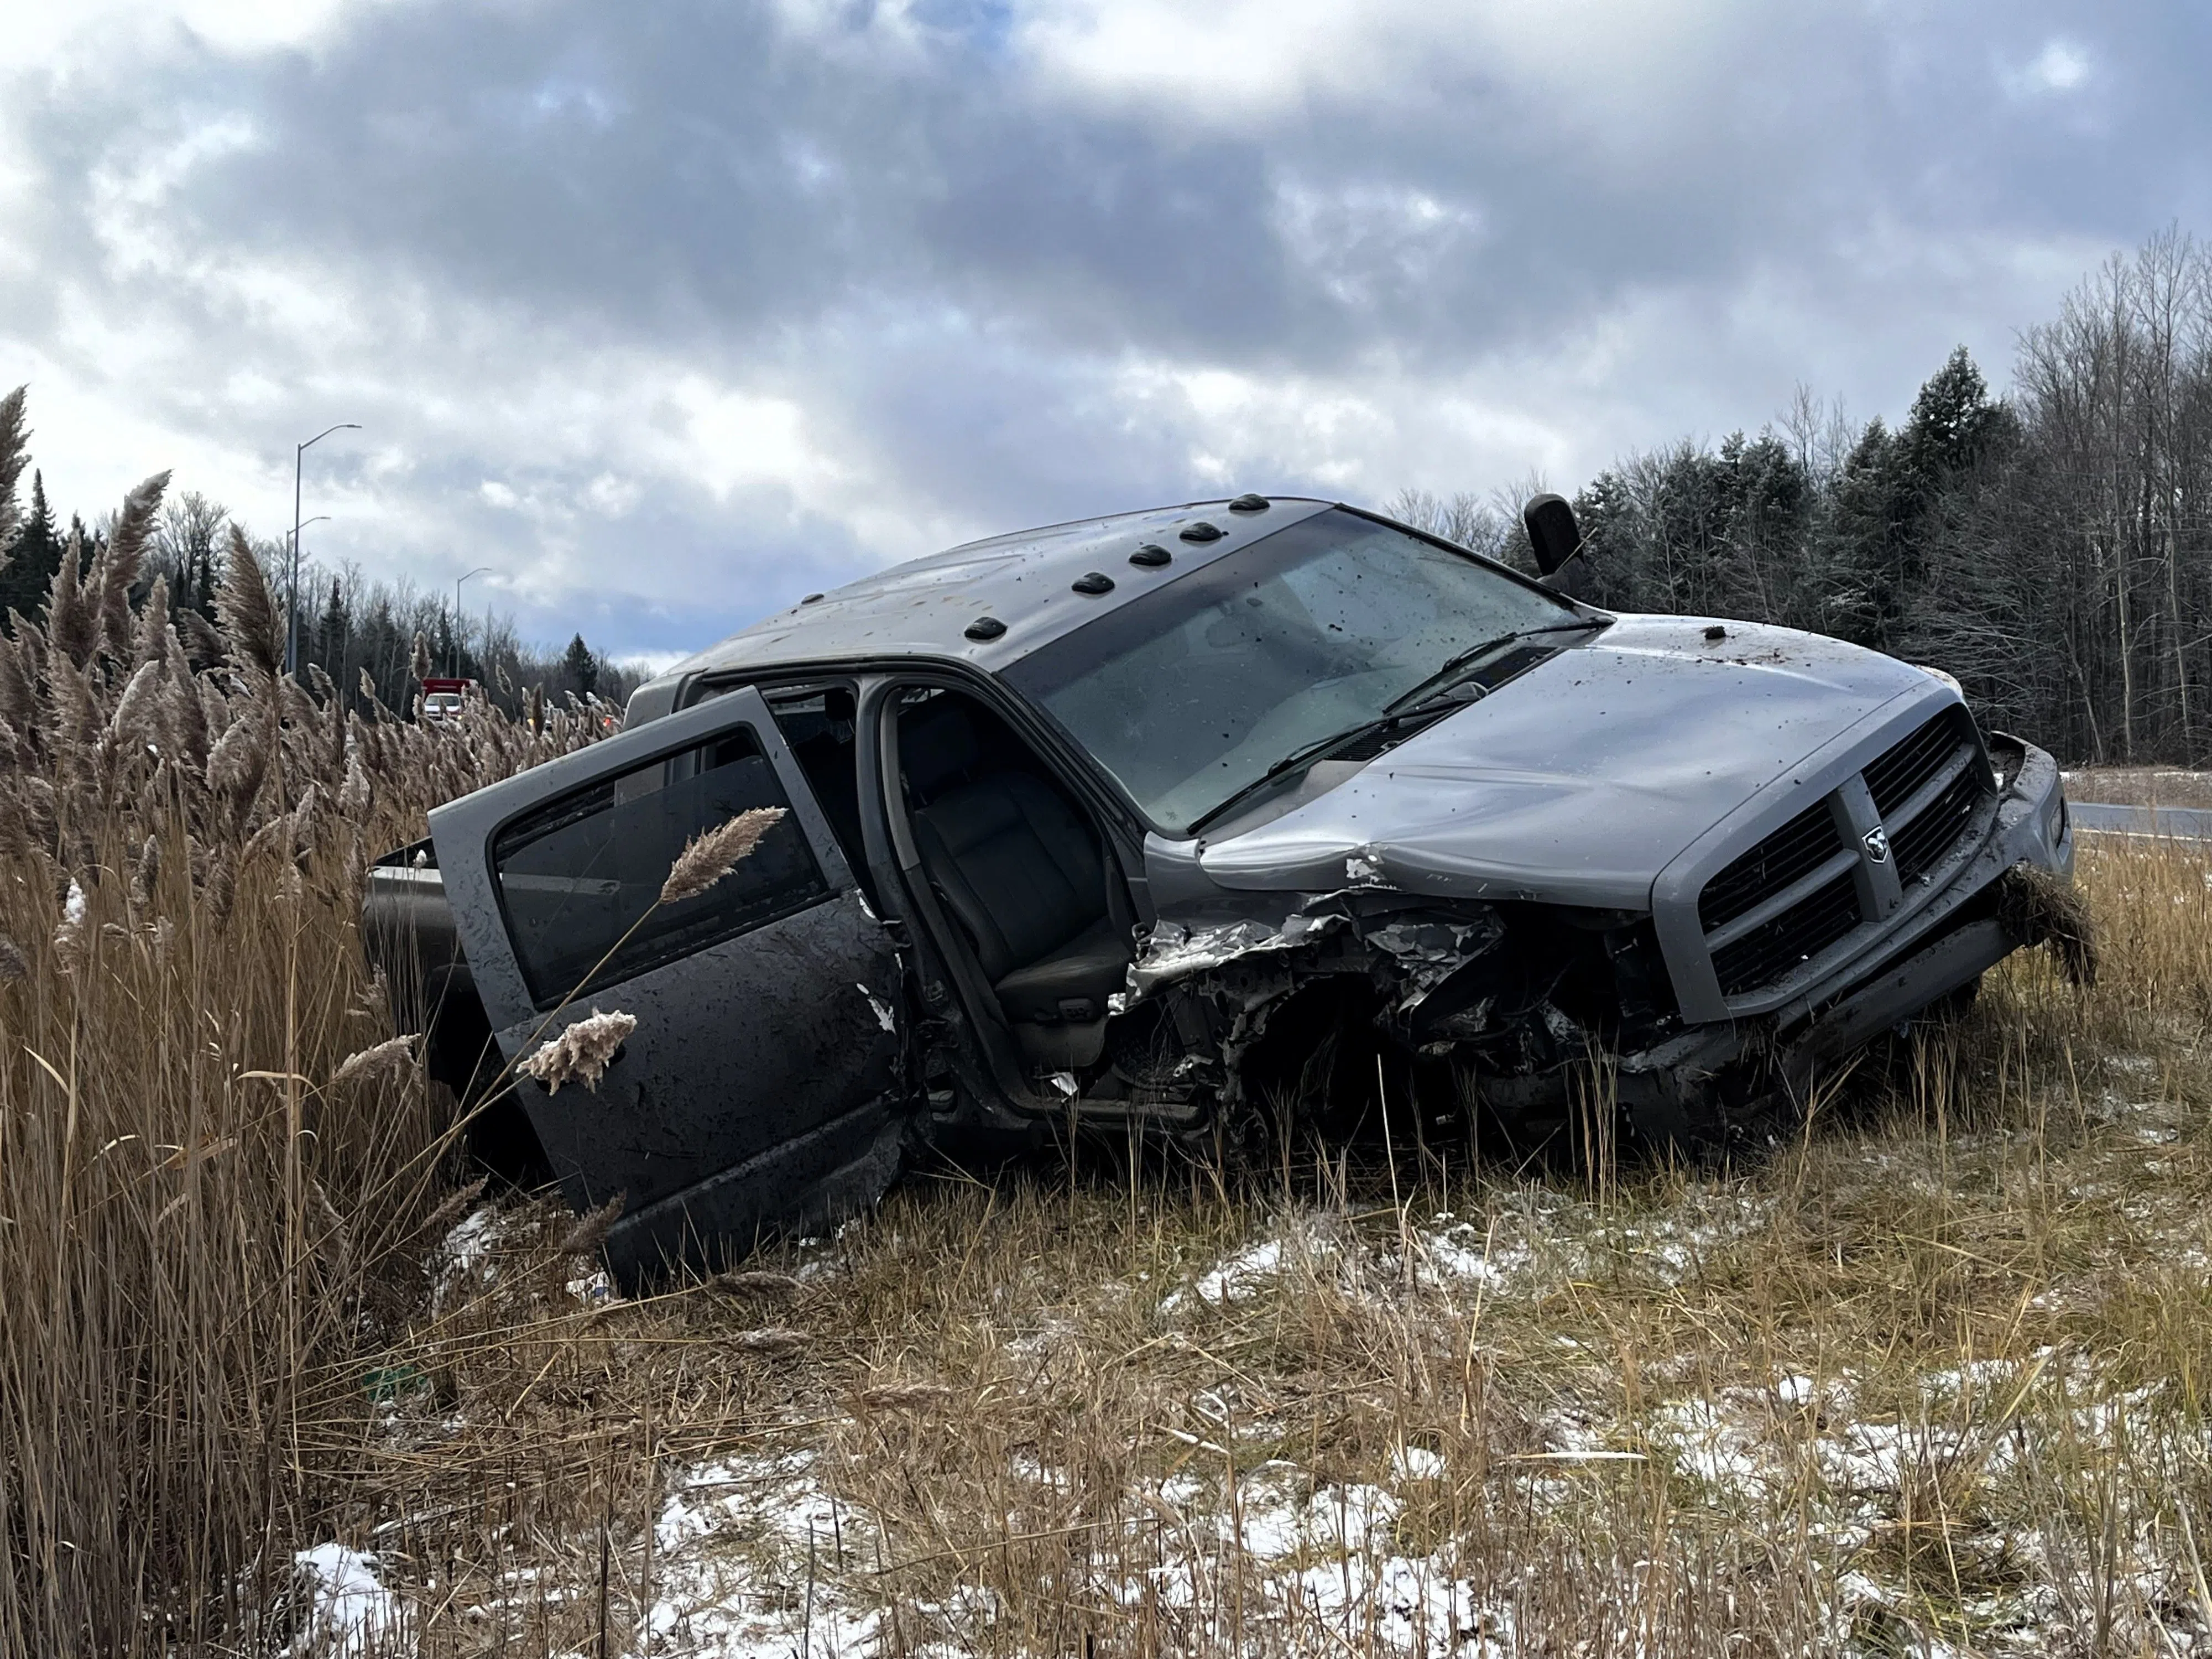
292	600
481	570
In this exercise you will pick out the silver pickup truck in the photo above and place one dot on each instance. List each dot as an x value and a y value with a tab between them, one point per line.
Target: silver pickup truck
1184	819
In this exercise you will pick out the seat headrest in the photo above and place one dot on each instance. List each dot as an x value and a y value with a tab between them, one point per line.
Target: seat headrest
936	745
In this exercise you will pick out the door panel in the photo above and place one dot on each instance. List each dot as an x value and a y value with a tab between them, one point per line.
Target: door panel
762	1083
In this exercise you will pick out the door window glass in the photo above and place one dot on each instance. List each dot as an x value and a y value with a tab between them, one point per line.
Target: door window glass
580	873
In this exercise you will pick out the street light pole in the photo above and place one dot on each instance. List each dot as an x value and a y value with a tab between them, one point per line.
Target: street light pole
481	570
292	597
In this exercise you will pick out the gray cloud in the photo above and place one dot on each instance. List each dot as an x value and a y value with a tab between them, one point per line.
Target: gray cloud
673	312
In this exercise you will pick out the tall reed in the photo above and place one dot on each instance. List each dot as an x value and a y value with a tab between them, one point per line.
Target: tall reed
206	1217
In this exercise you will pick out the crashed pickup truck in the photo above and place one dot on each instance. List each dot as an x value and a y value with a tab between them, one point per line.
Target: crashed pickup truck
1135	823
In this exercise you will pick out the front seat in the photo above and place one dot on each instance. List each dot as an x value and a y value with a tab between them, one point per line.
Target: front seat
1021	870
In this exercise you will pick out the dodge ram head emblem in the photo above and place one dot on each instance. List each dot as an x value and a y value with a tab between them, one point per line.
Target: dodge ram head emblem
1877	842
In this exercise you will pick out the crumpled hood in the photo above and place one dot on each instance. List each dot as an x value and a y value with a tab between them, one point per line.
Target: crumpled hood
1578	781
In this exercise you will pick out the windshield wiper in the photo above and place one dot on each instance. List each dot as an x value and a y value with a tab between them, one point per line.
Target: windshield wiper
1306	754
1414	705
1459	662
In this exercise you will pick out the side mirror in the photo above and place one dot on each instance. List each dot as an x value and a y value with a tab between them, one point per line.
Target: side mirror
1554	535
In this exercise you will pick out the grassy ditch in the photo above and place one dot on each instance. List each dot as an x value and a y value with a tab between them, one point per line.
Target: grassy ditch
1930	1375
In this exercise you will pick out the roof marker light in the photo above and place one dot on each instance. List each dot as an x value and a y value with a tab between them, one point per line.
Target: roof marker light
1248	502
1203	532
811	599
985	627
1094	582
1150	556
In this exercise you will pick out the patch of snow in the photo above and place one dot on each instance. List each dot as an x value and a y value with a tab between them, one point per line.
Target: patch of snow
1235	1275
732	1539
471	1238
1417	1463
1796	1390
1463	1252
348	1609
1707	1444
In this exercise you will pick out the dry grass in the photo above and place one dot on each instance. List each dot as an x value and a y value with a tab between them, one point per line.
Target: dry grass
2140	786
1931	1375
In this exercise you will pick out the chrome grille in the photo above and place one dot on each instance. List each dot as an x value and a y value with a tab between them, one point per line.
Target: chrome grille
1921	843
1789	855
1901	773
1771	950
1799	893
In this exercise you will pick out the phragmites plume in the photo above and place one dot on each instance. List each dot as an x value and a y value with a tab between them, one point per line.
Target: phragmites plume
354	794
580	1054
421	667
712	853
151	643
392	1055
70	625
592	1228
253	633
137	711
116	571
12	460
450	1207
235	766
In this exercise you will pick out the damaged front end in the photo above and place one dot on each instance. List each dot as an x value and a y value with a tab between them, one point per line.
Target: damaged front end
1530	1013
1534	1011
1517	1001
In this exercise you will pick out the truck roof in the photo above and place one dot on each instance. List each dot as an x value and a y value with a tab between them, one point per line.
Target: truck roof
1026	581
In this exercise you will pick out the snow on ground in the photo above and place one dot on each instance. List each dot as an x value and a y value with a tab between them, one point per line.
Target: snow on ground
346	1612
750	1554
1546	1242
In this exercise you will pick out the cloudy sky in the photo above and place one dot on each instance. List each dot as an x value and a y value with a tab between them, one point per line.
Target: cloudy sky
672	310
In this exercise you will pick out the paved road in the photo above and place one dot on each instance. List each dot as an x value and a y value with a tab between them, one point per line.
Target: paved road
2181	823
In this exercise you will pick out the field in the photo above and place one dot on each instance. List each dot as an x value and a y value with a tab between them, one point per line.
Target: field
277	1375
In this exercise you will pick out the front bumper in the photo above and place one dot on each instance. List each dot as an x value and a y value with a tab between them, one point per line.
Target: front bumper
2027	826
1961	931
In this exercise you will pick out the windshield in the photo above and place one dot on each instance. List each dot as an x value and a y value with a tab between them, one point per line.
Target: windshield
1191	694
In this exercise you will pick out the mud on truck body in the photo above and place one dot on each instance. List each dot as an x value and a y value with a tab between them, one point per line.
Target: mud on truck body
1124	822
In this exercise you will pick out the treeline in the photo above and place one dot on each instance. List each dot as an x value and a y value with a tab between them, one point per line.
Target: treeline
2052	549
349	626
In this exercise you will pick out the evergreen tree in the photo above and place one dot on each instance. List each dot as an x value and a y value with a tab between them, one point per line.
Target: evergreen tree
331	636
1954	424
580	668
33	561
